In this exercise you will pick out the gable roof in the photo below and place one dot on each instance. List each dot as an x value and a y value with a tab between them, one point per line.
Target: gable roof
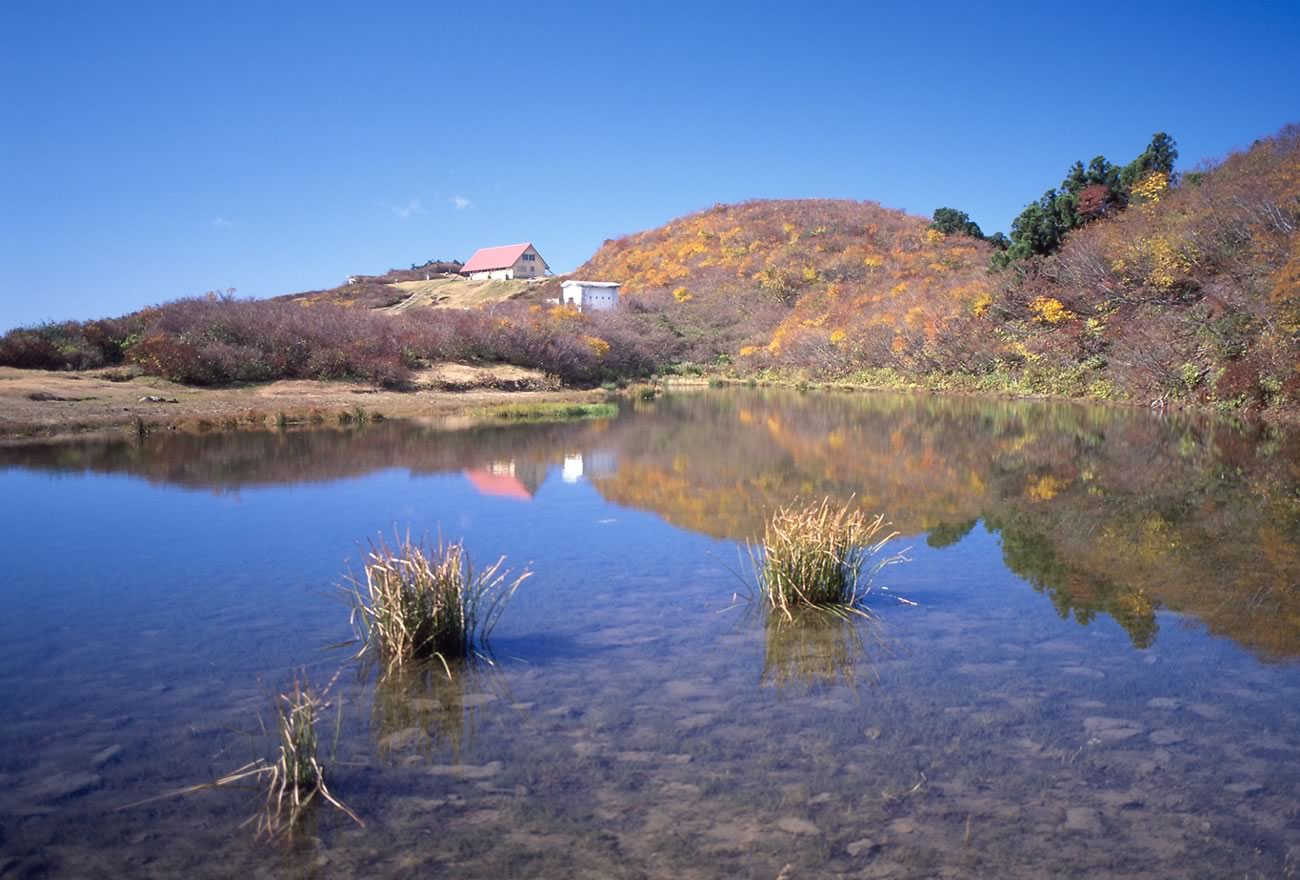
503	257
500	485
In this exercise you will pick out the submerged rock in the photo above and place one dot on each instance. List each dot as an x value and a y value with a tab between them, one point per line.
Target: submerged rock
902	826
105	756
797	826
1083	671
586	748
1084	819
696	722
1164	703
466	771
865	845
1111	730
61	786
473	701
402	738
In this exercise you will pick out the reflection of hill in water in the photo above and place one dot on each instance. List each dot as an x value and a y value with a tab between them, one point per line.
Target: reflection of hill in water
1104	510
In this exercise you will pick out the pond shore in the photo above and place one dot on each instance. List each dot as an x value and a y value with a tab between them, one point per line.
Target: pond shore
36	404
1283	414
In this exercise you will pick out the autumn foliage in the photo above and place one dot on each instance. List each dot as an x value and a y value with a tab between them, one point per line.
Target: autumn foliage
826	284
1190	294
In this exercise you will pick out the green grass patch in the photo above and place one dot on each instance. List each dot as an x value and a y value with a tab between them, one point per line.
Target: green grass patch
549	411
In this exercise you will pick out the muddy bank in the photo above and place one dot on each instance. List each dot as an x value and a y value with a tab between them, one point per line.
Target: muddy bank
36	403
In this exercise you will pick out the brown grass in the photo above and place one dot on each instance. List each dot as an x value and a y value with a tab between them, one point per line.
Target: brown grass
424	599
820	555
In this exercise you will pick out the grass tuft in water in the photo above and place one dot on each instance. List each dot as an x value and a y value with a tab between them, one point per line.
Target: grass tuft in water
422	600
297	776
820	555
643	391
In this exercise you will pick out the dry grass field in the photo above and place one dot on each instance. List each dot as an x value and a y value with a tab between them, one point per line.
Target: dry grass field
40	403
456	293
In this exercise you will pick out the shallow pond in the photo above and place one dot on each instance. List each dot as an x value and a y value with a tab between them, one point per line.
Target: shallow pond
1097	676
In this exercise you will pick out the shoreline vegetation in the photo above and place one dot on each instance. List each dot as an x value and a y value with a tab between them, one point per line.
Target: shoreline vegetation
38	405
1133	283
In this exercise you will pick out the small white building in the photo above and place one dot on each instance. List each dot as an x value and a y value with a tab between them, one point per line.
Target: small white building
507	261
590	296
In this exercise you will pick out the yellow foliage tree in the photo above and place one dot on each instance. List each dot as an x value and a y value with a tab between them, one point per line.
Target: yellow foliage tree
1149	190
1049	310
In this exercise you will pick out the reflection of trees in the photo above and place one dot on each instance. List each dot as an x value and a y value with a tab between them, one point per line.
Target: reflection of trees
1103	509
947	534
814	649
1074	591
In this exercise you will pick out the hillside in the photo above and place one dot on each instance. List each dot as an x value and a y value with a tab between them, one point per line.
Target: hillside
834	275
1193	293
1190	294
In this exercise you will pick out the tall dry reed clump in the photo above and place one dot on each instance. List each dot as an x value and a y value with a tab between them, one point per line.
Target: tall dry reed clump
820	555
420	600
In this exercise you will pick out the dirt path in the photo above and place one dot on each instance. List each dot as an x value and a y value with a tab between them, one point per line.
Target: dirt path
35	403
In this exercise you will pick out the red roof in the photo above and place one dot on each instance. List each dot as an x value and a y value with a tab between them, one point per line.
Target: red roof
487	259
498	484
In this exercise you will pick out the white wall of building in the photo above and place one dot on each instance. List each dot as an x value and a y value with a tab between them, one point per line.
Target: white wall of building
590	296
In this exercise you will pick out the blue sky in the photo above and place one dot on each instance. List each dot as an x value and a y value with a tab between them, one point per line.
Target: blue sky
157	150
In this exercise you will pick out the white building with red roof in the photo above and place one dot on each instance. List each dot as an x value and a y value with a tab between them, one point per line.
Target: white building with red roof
506	261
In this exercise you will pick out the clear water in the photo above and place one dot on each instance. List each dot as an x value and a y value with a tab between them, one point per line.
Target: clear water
1097	678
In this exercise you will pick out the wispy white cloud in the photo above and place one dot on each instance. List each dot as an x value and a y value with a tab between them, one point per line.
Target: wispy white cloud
222	223
413	208
461	203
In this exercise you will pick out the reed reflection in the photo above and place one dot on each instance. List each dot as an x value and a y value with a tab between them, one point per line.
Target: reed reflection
817	649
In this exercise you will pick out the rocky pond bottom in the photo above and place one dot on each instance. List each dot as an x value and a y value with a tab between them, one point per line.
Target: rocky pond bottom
1042	710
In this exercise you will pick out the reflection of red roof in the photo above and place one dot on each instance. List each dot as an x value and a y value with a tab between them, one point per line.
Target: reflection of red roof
486	259
500	485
